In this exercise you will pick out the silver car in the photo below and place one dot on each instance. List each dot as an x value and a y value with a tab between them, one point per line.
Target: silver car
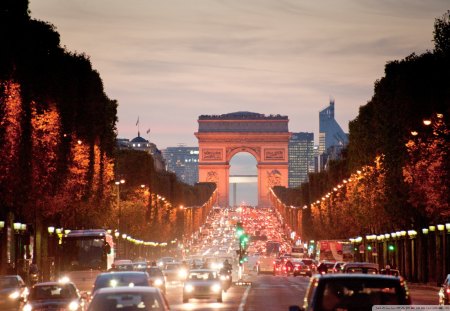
202	284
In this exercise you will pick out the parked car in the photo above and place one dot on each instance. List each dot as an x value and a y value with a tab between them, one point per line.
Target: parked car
353	292
121	278
361	267
444	292
13	292
129	298
156	278
202	283
55	296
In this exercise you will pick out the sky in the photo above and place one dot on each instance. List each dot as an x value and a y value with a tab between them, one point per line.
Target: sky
170	61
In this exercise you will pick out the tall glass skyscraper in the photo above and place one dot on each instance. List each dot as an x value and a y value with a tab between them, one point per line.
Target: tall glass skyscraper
183	161
301	158
331	135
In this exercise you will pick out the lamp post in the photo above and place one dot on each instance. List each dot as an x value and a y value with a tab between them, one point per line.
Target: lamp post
118	183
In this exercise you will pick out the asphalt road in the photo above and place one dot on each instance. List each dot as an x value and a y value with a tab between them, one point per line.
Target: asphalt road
269	293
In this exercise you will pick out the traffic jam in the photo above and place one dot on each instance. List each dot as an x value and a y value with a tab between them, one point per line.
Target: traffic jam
236	248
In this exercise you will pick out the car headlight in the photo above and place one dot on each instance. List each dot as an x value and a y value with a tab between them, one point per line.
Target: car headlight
189	288
182	273
113	283
14	295
158	282
64	280
216	288
27	307
73	306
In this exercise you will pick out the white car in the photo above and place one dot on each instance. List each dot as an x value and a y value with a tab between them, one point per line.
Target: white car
202	284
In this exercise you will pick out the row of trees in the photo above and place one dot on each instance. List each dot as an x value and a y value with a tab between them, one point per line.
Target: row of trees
58	162
407	186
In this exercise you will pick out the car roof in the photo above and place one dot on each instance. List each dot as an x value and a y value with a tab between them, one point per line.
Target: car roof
127	289
202	270
355	276
120	273
53	283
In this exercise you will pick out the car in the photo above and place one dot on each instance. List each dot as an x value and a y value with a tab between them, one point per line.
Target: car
202	284
360	267
174	272
444	292
129	298
164	260
342	291
325	267
300	268
338	265
55	296
156	278
13	292
121	278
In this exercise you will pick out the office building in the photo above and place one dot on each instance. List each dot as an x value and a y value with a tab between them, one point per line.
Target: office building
183	161
301	158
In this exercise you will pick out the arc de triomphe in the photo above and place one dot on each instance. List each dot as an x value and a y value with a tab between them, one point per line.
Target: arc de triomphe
220	137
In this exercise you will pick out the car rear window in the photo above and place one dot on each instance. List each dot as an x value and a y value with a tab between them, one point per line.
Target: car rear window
126	301
360	294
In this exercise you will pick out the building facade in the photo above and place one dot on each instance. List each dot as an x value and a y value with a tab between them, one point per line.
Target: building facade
140	143
183	161
301	158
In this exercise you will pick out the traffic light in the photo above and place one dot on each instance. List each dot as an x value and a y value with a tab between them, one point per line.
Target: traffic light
243	239
239	229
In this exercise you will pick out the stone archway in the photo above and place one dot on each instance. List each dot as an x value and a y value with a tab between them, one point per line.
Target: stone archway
265	137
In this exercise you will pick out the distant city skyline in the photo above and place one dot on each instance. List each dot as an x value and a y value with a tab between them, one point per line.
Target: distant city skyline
168	62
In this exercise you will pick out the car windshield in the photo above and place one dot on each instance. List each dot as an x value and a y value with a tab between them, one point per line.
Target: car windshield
358	294
53	291
8	282
114	280
126	301
207	275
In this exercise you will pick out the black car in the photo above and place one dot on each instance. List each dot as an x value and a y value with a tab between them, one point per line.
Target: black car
444	292
13	292
353	292
54	296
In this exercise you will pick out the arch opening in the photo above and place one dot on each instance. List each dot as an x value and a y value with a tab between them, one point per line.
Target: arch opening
243	179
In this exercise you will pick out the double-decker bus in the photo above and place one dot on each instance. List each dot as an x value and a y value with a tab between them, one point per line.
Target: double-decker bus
85	254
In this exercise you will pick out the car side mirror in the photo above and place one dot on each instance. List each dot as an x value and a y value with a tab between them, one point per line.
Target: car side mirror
295	308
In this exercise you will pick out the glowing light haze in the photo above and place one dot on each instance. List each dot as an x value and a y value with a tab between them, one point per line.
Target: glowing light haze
170	61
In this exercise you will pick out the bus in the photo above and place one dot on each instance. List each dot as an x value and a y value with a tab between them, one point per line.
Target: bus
84	255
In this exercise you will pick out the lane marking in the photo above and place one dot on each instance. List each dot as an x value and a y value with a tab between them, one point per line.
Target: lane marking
244	299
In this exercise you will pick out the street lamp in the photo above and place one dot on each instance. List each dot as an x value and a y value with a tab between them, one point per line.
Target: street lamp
118	182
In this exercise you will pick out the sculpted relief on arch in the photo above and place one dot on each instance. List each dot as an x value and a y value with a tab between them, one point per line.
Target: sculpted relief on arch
273	178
